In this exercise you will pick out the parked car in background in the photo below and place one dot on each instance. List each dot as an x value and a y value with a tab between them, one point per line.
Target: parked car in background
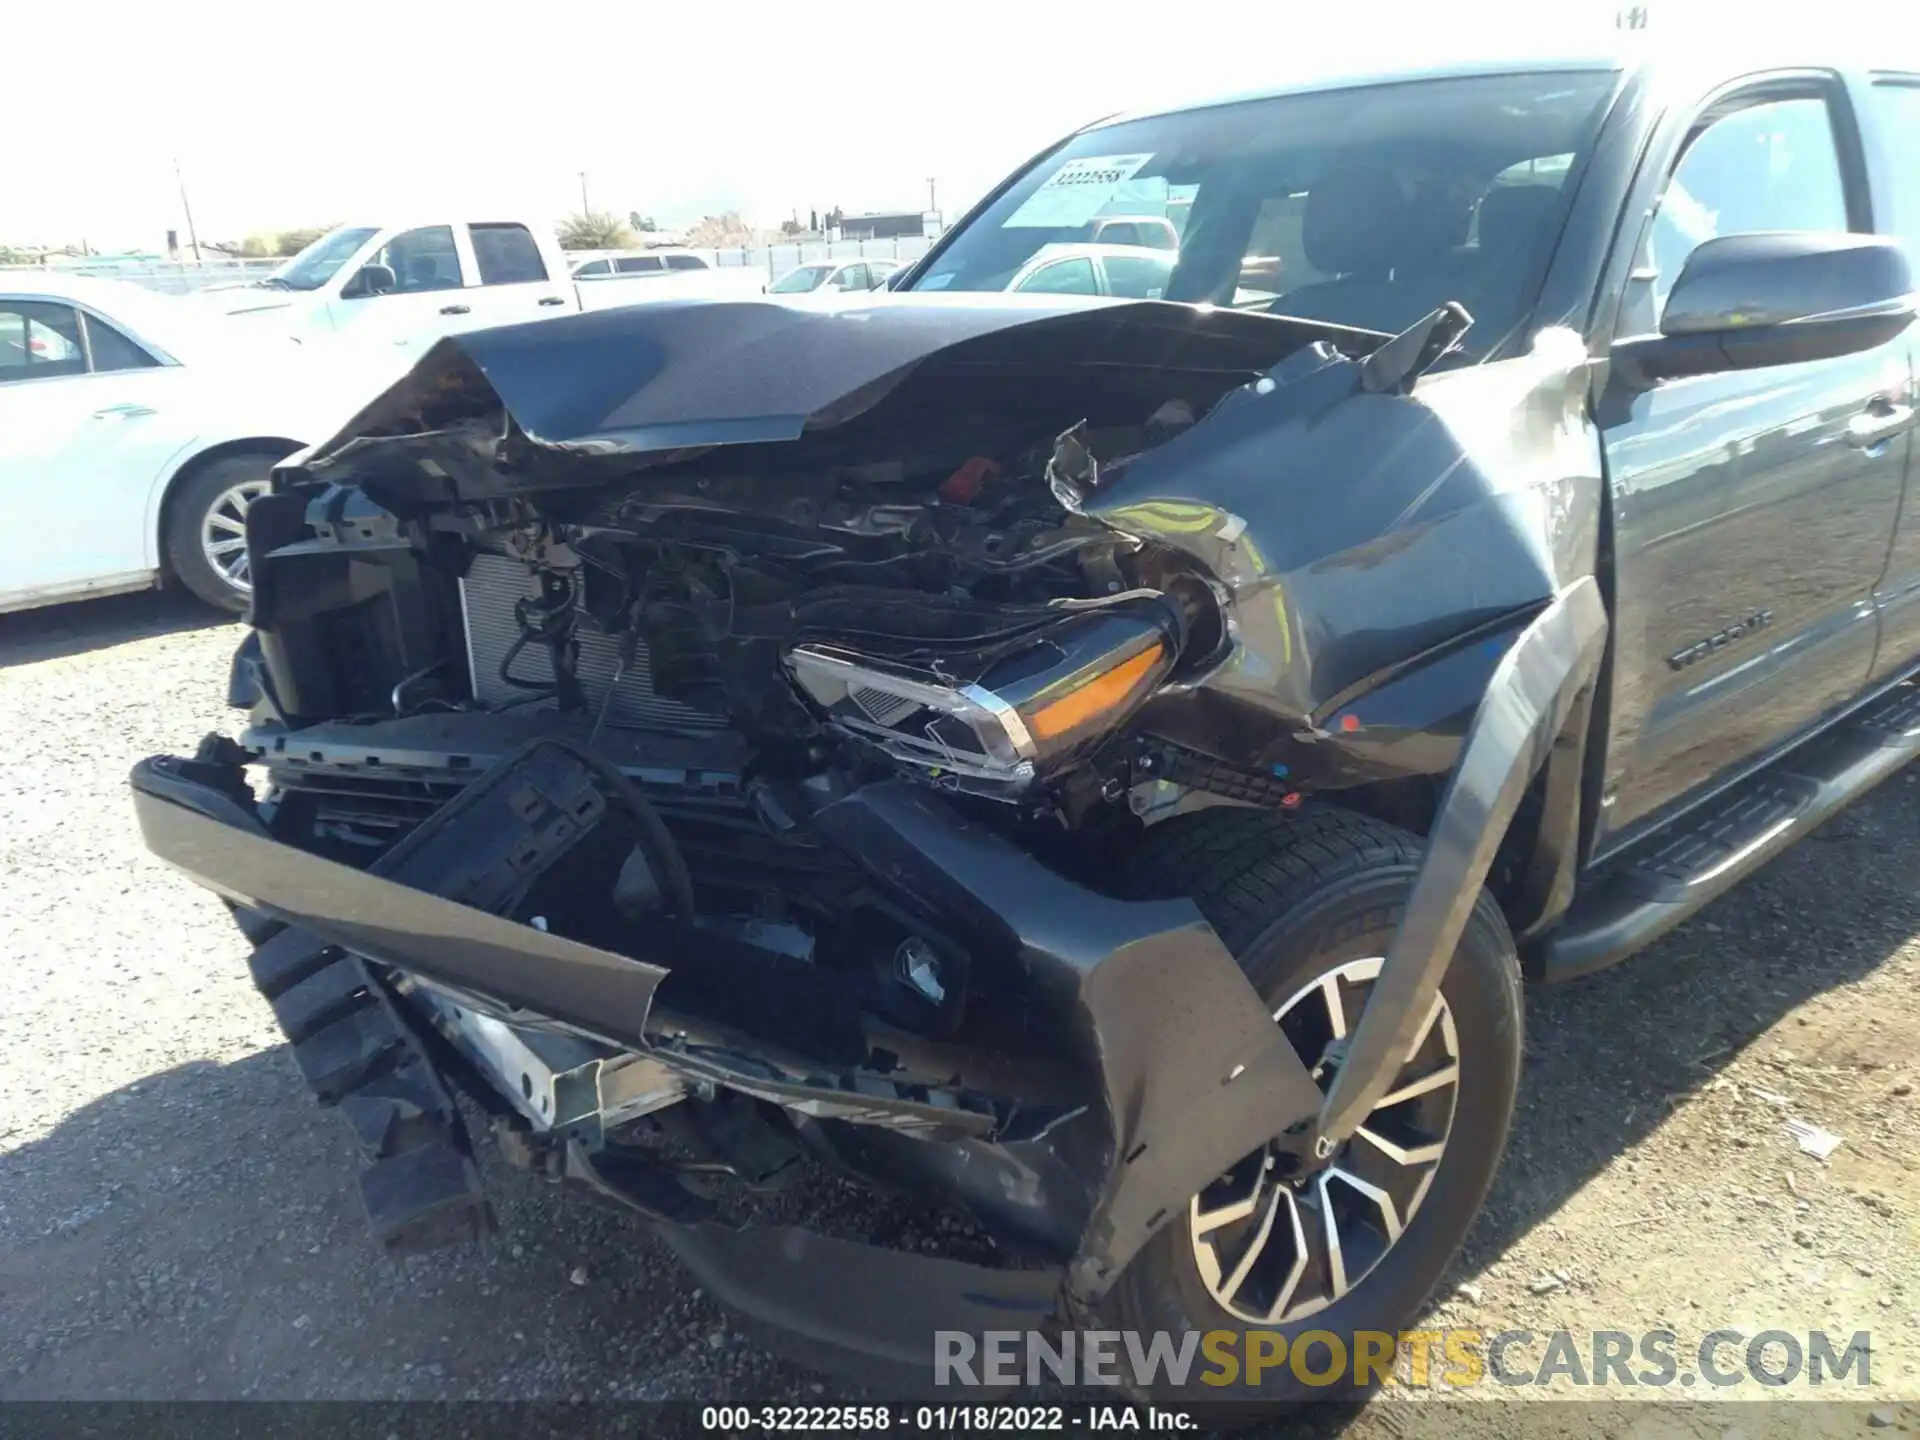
639	262
1155	232
818	275
408	285
135	430
1130	272
606	282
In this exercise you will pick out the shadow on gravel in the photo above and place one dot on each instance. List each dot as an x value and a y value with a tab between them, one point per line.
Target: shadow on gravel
1608	1057
199	1235
55	632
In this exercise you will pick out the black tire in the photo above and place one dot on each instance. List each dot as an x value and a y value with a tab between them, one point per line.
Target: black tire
1293	897
187	511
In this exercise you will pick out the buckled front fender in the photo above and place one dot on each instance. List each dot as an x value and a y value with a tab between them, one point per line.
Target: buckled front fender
1531	694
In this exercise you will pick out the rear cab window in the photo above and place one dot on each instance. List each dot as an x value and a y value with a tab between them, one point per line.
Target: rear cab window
507	254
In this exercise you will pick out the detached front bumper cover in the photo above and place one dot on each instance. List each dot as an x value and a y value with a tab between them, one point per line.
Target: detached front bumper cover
1182	1070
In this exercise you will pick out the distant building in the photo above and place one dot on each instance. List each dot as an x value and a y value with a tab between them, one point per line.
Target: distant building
890	225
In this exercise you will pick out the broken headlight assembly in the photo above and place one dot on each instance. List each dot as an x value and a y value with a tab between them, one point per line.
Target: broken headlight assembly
1022	718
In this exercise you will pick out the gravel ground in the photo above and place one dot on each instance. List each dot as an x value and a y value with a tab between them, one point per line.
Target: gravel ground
178	1220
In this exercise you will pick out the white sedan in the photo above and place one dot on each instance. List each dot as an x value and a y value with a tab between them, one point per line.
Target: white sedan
135	429
830	275
1131	272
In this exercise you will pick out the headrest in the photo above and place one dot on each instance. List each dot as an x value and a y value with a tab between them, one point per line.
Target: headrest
1350	221
1364	219
1512	215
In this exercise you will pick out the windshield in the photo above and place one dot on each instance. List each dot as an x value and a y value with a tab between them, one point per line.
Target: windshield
807	277
1361	206
321	260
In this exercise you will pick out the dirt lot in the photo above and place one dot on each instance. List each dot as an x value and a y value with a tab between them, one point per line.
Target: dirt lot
178	1220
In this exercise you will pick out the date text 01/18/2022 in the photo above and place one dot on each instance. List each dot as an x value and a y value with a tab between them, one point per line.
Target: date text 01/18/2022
939	1419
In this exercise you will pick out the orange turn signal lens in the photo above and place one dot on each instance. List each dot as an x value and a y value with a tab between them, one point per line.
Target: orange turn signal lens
1102	694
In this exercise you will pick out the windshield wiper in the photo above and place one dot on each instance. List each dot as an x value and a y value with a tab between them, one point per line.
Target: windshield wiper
273	282
1398	362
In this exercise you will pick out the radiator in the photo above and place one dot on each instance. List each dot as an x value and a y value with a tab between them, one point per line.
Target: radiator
487	595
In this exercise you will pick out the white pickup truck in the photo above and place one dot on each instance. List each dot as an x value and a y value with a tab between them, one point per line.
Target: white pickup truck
409	285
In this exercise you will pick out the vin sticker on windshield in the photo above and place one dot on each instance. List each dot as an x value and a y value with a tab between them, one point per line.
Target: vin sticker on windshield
1075	193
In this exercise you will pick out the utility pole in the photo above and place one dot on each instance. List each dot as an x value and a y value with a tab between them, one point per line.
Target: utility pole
933	204
585	208
193	236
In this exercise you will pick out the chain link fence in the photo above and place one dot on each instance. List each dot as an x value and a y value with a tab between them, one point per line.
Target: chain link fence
175	277
775	260
180	277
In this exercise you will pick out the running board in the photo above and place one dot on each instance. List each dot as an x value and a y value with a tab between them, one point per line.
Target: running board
1720	844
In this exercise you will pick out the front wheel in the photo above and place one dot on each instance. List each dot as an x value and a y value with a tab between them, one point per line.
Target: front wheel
206	539
1353	1245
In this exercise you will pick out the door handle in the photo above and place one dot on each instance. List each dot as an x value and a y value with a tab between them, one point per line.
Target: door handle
456	309
128	411
1878	423
551	300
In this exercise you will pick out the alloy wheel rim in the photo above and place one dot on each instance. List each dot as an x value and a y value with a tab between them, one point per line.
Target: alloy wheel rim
223	532
1273	1245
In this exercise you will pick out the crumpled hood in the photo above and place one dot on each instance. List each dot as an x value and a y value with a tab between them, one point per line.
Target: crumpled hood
678	374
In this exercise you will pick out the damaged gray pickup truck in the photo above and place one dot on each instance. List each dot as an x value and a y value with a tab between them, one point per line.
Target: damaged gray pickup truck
1105	764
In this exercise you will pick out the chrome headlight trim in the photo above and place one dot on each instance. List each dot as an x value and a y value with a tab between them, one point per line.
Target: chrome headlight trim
1005	759
1006	715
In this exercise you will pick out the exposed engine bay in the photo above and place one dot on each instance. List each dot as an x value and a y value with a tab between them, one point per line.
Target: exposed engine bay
782	611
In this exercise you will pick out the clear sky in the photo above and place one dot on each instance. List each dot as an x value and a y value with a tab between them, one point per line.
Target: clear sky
290	114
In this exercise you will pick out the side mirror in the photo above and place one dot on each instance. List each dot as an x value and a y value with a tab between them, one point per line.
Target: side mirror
370	280
1774	298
